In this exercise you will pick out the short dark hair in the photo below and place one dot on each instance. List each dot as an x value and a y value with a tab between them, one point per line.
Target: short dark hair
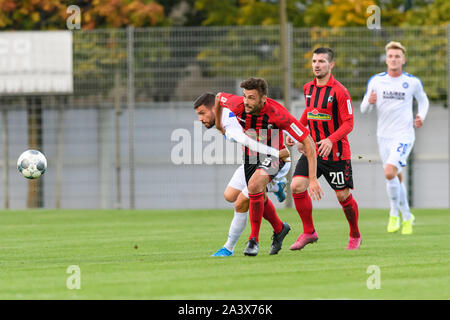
207	99
255	83
328	51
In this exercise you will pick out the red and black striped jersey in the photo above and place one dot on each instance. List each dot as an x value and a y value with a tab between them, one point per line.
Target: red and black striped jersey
268	126
329	114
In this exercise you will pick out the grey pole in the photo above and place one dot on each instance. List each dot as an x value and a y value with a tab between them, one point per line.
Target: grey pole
117	137
130	101
5	156
59	154
448	104
286	72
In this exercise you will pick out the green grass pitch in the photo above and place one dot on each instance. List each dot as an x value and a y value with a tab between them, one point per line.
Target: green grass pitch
166	255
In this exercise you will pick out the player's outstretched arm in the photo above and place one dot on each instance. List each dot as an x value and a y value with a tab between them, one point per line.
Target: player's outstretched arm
315	189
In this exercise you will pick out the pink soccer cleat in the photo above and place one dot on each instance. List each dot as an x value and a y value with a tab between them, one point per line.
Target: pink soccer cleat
354	243
303	240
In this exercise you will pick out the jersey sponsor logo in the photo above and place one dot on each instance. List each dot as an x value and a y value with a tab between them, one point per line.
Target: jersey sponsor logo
296	129
349	106
394	95
316	115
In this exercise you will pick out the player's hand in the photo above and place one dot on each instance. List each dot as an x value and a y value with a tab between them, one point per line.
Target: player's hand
289	141
284	155
315	190
325	147
373	97
418	122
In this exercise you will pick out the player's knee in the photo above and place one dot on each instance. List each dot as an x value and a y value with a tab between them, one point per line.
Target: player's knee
390	172
298	186
342	195
389	175
256	185
241	205
230	196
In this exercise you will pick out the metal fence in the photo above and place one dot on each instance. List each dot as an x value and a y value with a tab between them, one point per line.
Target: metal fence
109	144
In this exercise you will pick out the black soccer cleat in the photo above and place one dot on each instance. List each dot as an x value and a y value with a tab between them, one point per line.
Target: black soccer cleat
278	238
252	247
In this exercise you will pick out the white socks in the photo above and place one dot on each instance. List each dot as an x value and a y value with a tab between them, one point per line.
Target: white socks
398	198
393	191
403	203
237	226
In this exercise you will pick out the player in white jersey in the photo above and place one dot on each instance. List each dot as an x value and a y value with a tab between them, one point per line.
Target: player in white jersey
236	191
392	93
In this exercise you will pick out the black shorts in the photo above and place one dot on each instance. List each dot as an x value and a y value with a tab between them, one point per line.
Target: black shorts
338	173
270	165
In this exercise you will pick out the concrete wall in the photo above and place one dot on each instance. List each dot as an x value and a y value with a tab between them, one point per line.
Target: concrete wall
89	176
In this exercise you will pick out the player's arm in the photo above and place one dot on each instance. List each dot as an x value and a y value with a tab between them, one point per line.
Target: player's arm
423	105
304	118
234	132
370	98
304	121
309	150
345	110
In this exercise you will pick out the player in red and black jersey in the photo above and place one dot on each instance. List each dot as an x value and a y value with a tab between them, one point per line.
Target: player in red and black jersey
264	118
329	116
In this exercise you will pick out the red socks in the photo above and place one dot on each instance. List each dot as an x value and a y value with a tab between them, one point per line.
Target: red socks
303	204
257	210
350	208
271	215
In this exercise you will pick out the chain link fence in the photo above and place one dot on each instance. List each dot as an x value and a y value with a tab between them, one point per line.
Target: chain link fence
110	143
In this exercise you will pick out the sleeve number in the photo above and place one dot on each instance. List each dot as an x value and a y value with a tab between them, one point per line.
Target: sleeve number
267	162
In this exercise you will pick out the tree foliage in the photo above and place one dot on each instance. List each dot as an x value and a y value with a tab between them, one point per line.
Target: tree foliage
52	14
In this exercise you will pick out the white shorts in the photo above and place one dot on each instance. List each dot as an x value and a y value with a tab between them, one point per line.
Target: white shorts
238	181
395	151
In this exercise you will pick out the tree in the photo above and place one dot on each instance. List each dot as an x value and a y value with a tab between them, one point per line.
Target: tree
52	14
435	13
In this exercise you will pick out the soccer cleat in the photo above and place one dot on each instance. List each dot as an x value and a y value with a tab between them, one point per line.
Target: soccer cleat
278	239
252	247
222	252
394	224
407	226
303	240
354	243
281	195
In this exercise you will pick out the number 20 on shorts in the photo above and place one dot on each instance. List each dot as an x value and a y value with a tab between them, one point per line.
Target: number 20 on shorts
402	147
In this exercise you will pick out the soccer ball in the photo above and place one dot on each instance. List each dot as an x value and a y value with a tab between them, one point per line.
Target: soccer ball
32	164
